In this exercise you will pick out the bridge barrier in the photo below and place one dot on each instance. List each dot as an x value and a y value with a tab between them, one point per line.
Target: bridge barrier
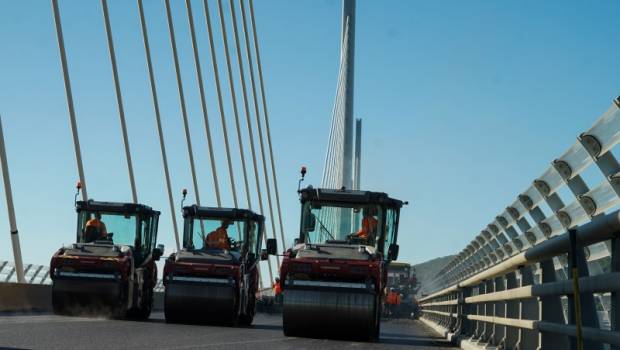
503	306
511	288
17	297
35	295
34	274
23	297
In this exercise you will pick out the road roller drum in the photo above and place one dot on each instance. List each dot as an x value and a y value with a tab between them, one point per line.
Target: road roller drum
330	313
198	303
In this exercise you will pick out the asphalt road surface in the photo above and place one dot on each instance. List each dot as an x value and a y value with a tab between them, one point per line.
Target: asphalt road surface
57	332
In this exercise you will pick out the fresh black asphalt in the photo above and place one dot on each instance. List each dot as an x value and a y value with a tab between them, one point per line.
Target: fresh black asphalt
57	332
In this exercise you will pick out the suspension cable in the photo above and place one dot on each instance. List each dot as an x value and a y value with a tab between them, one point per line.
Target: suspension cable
203	105
336	146
266	116
246	106
236	112
336	152
65	73
160	132
331	153
119	99
6	180
258	121
188	138
221	103
332	168
341	144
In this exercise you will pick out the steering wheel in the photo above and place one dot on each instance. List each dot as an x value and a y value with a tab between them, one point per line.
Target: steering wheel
355	239
233	243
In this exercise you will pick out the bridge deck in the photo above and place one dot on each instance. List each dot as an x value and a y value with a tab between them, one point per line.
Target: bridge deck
55	332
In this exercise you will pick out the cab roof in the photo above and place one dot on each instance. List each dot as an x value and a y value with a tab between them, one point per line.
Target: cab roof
348	196
228	213
114	207
399	264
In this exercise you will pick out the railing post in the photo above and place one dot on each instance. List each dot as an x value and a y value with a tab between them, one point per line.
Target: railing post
528	310
511	336
479	310
467	326
551	310
454	322
447	320
589	316
499	310
615	296
489	310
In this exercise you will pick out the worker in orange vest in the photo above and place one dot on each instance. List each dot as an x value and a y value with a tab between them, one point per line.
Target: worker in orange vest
369	224
277	290
219	238
392	300
95	229
392	297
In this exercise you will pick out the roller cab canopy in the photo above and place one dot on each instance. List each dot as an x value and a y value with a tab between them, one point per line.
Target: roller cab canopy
346	224
125	225
243	227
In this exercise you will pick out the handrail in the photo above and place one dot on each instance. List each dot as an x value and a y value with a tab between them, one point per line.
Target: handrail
508	287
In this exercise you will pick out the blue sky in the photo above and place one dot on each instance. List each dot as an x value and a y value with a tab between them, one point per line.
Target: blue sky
464	104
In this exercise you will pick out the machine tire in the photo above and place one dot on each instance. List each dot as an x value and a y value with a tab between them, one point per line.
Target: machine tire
246	318
172	317
288	332
143	312
120	311
376	329
235	319
58	306
147	307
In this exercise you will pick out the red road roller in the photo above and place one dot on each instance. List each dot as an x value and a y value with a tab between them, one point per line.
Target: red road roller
214	278
334	277
110	270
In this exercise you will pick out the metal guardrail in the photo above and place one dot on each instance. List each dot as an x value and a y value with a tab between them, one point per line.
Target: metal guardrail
39	274
35	274
509	287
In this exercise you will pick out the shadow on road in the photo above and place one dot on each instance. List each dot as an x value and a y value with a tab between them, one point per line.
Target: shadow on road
412	340
273	327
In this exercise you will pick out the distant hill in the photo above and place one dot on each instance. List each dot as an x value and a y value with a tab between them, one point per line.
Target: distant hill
426	271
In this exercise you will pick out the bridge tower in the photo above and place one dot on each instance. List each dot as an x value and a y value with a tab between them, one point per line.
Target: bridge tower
348	44
341	168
